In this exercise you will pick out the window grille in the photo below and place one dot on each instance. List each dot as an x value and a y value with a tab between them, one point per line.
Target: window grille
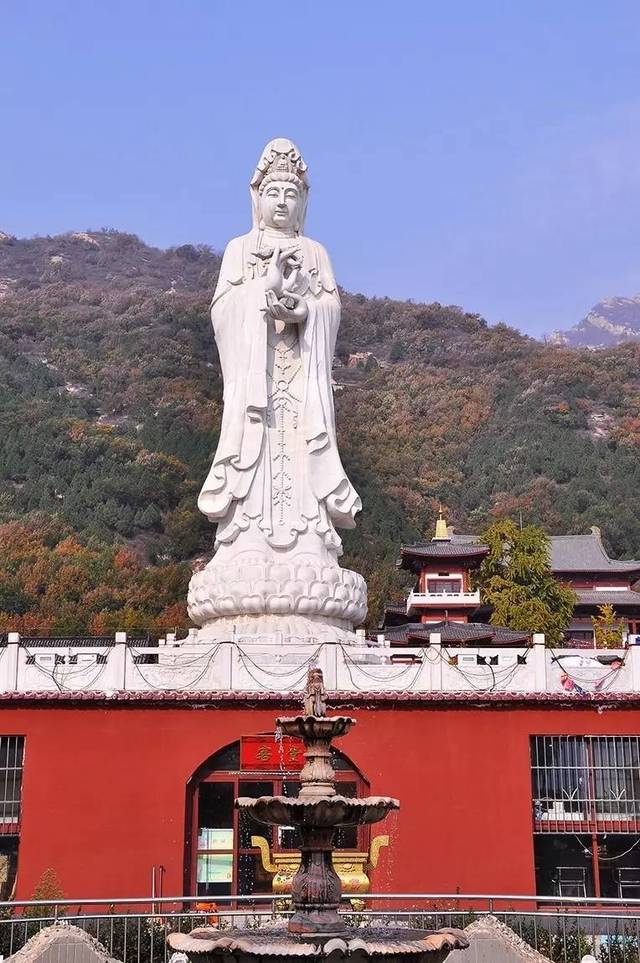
11	762
586	784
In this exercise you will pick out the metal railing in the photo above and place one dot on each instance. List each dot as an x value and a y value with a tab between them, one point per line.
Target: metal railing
135	930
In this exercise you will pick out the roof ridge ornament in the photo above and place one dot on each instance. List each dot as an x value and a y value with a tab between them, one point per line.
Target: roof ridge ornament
442	532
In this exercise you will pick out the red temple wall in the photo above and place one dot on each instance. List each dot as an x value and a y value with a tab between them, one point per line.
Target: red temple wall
105	788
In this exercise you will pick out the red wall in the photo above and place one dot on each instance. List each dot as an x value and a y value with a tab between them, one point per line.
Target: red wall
104	789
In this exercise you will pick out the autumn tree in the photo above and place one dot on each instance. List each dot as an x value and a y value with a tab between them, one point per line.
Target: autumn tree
516	580
607	628
54	582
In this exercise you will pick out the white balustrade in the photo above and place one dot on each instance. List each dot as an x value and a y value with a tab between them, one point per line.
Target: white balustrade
442	599
267	665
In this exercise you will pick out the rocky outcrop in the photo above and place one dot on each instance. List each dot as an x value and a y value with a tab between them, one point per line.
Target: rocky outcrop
610	322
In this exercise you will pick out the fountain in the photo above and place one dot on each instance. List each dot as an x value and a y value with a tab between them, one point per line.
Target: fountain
315	927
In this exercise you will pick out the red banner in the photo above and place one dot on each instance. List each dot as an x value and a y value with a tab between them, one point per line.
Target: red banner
267	753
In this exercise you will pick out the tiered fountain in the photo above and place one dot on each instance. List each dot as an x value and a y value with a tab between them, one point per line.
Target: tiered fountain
316	928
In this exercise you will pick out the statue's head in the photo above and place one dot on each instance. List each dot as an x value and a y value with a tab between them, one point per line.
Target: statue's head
280	201
279	188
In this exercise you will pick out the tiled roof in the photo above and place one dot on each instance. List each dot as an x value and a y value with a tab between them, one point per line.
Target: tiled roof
585	553
462	633
445	550
459	538
398	633
571	553
393	614
611	597
78	641
337	700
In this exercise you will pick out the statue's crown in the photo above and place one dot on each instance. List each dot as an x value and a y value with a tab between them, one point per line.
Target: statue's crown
281	157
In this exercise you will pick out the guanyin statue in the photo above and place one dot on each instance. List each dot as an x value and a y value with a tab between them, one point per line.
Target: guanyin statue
277	488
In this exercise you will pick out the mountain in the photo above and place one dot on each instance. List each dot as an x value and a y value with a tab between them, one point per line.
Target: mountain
110	404
610	322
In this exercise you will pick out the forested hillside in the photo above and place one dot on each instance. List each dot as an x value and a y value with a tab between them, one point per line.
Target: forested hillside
110	402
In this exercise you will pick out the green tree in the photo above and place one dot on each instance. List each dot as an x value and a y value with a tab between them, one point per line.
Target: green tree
148	517
607	628
517	581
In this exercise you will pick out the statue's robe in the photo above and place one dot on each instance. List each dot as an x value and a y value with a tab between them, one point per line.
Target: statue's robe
236	491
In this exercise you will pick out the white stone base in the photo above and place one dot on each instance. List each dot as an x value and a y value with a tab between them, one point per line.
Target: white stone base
295	599
277	630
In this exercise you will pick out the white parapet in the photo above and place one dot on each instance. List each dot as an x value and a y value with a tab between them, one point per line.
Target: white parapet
268	664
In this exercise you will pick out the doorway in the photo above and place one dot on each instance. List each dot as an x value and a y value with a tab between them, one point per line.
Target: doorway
220	860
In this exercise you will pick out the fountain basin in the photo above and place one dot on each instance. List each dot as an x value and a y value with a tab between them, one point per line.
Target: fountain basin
322	813
373	943
316	728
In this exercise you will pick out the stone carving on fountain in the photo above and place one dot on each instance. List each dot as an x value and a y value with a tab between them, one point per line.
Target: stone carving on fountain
277	488
316	928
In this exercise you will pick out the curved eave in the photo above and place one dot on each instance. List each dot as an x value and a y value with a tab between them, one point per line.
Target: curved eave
415	558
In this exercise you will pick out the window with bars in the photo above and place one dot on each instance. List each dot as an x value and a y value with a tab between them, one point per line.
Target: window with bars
11	762
581	783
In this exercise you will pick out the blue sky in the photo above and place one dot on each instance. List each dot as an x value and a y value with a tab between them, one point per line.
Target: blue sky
477	152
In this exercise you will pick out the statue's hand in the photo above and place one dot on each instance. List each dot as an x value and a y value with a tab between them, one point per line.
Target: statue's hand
292	309
282	261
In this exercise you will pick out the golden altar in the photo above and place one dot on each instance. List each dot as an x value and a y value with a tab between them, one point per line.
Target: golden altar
352	868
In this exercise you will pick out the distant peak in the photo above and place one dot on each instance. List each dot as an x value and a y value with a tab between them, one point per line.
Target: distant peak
612	321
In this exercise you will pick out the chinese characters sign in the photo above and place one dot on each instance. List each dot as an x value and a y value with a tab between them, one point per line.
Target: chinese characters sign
265	752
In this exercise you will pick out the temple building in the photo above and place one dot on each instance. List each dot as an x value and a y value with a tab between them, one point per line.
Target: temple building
582	563
119	770
442	567
443	598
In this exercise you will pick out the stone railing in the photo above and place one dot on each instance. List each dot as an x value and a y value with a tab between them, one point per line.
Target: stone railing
266	665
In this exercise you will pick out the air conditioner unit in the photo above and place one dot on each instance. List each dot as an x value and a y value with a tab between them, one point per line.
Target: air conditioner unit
633	639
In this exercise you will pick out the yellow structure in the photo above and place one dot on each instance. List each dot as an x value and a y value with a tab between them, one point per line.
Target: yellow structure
352	868
442	532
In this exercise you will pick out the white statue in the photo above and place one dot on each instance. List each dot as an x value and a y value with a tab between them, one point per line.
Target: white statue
277	487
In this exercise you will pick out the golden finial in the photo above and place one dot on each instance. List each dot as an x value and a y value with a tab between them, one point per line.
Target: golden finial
442	533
